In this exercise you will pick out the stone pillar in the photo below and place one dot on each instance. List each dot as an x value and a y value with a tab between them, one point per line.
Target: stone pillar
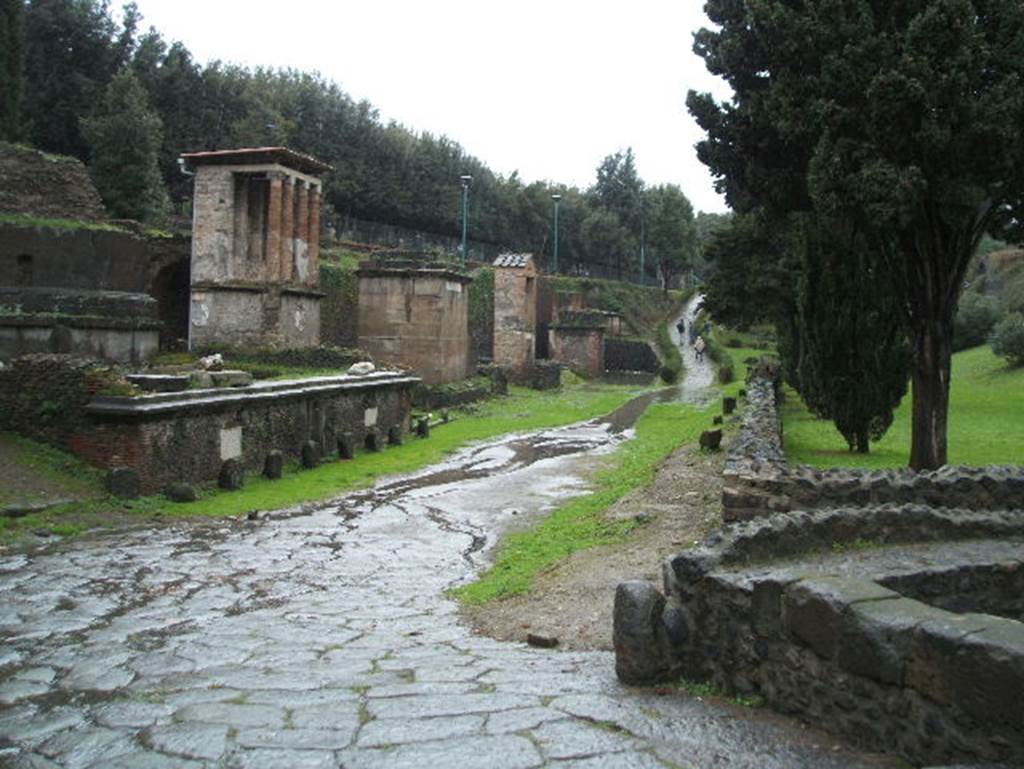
313	239
272	248
287	226
301	253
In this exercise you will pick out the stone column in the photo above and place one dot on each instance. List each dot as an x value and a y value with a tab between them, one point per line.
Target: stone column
301	259
287	226
272	248
313	239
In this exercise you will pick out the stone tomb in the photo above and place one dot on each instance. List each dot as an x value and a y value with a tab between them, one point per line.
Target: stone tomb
255	248
579	344
515	313
416	314
188	436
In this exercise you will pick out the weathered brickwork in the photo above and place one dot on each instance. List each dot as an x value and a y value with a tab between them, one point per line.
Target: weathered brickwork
578	347
629	355
515	312
255	248
416	315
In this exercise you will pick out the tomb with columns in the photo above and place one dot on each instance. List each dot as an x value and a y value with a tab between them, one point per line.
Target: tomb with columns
255	248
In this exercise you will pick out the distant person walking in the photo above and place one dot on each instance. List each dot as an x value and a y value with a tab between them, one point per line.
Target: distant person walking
698	348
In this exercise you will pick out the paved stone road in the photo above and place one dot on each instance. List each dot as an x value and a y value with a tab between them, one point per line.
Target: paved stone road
322	638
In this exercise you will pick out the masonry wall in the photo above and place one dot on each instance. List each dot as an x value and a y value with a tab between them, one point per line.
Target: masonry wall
416	318
515	319
191	439
582	349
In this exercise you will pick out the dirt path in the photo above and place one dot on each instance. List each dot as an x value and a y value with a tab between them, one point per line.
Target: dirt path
573	601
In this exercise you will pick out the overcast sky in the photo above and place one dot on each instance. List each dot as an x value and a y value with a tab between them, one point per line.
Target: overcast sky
545	87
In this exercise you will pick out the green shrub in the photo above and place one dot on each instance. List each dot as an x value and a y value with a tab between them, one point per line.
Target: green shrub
1008	339
668	374
725	374
975	318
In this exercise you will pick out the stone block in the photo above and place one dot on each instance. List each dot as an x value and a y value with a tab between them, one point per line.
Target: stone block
639	651
180	491
310	454
711	440
231	475
230	378
395	435
273	465
717	419
124	482
814	609
876	638
728	405
423	427
766	607
346	446
934	646
988	673
372	440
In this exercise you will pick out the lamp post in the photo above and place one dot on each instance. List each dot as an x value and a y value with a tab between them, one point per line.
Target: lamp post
465	179
554	262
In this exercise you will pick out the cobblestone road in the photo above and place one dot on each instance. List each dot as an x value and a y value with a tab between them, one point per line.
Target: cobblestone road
322	638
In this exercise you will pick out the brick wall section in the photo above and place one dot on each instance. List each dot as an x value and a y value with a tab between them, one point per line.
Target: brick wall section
629	355
416	315
581	349
515	312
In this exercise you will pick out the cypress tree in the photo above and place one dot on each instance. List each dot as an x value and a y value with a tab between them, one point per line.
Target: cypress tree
12	67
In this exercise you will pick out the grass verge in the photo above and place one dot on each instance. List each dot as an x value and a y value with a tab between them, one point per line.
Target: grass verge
523	410
580	523
986	421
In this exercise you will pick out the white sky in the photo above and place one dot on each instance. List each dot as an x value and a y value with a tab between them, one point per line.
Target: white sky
545	87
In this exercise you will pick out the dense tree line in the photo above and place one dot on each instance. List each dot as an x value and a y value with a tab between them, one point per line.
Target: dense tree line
893	125
66	61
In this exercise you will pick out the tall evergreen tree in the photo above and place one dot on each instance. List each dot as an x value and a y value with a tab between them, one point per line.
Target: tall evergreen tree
671	230
12	67
124	142
899	119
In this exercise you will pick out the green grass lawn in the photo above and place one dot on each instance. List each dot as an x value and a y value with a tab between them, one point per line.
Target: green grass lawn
986	422
579	523
522	410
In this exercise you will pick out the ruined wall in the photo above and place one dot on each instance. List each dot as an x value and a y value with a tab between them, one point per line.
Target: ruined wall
758	481
416	316
38	184
515	313
581	349
850	645
187	436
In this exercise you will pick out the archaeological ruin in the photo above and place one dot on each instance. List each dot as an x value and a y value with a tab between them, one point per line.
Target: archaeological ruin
885	606
414	313
255	248
515	313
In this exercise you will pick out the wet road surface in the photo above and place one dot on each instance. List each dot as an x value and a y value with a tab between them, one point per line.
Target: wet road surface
322	638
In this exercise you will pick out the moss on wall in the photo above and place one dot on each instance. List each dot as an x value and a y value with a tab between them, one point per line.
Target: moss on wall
481	314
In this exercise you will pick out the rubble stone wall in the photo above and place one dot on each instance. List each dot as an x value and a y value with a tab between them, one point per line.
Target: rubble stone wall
759	481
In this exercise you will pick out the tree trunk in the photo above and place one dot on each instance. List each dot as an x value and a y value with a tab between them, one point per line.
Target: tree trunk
930	388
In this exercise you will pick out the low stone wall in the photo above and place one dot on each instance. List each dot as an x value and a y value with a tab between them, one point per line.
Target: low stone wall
187	436
759	481
629	355
580	348
824	632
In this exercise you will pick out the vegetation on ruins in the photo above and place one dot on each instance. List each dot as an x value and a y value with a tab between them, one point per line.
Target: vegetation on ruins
63	54
899	120
123	135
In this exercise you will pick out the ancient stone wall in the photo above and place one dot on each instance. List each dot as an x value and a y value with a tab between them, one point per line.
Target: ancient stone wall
515	312
187	436
759	481
416	315
820	614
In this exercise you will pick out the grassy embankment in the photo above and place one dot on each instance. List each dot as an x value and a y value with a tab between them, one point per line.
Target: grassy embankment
523	410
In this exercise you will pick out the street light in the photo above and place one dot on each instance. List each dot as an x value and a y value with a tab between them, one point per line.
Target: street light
556	197
465	179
